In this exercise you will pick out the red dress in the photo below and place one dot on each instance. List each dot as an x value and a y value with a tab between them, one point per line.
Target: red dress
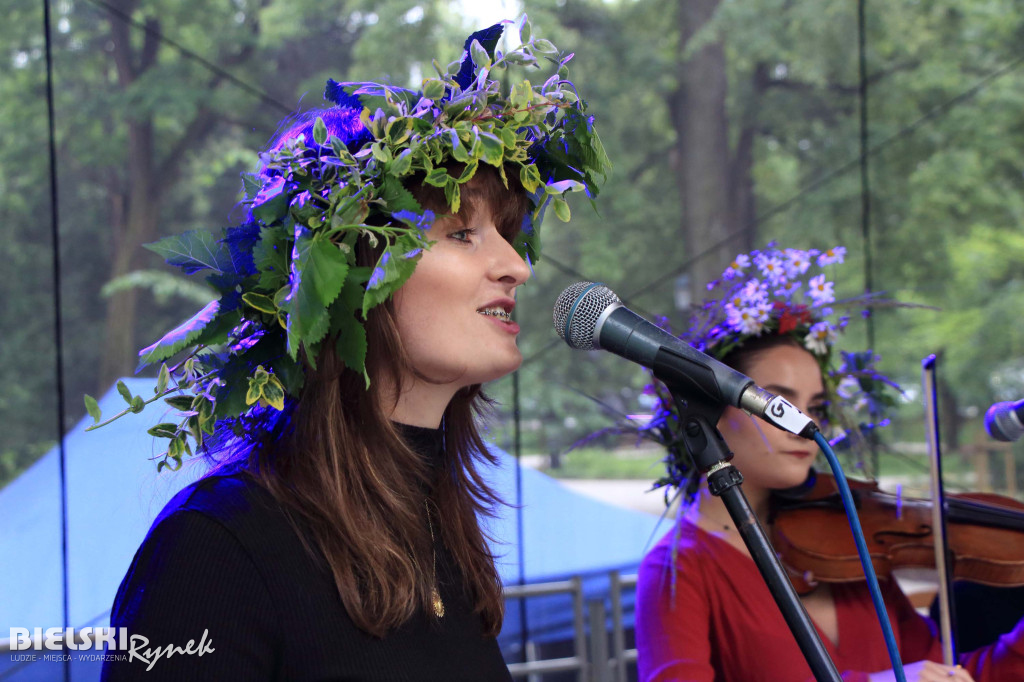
721	623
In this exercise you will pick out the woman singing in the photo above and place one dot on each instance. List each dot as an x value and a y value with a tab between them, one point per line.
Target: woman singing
334	387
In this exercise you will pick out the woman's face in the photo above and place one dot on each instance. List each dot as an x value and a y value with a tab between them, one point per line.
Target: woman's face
767	457
453	313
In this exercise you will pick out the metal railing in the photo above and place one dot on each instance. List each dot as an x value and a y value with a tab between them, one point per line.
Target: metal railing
573	587
593	660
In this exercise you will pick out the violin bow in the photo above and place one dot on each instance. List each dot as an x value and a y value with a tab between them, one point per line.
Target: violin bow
947	613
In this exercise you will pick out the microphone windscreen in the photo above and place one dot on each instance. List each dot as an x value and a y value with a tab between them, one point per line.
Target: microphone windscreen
577	310
1003	422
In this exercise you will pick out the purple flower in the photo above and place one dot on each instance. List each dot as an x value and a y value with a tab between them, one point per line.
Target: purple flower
736	268
848	387
771	267
833	255
787	289
820	291
797	262
422	221
377	278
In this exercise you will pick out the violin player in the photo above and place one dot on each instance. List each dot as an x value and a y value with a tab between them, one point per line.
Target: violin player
703	611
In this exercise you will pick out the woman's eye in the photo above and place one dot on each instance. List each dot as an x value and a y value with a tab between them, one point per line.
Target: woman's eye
461	235
819	412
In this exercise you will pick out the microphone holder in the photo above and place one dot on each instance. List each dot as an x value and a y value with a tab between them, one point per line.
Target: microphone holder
710	455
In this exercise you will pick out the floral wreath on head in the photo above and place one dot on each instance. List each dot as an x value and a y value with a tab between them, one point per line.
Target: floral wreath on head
287	279
781	292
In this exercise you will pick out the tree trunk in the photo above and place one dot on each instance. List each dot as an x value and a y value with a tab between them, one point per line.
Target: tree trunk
715	189
136	223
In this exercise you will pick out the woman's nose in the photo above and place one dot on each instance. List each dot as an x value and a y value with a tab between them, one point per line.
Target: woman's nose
509	266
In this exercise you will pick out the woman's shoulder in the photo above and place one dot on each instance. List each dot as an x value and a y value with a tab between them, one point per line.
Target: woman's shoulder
229	504
684	545
224	495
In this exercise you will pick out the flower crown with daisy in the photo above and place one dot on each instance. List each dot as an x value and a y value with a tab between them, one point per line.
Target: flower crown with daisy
771	291
781	292
288	280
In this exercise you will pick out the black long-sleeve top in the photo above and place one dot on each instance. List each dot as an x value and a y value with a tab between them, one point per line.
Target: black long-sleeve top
223	566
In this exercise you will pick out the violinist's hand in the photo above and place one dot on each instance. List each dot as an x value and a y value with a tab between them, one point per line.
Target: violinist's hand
925	671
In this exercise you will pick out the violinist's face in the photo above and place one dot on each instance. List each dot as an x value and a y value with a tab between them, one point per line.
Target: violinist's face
768	458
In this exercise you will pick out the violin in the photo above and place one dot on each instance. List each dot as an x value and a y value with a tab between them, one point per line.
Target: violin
810	532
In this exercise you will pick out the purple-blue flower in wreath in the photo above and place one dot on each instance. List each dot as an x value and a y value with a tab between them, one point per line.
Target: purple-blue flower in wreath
420	221
377	278
834	255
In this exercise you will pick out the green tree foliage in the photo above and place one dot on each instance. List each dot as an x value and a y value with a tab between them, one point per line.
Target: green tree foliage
159	108
944	82
771	125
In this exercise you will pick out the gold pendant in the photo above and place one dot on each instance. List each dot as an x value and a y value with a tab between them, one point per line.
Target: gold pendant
435	598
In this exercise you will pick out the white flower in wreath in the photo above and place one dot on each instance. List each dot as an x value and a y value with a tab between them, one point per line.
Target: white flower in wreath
819	338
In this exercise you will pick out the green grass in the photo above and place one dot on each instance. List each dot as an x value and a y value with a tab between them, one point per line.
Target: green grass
611	464
646	464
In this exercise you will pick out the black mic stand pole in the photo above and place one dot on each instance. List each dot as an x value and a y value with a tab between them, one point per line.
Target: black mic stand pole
710	454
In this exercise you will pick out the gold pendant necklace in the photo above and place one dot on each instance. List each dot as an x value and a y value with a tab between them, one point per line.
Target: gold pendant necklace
435	594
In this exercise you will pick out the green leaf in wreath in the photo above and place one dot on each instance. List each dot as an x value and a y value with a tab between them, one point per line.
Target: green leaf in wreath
182	403
393	269
125	393
180	337
270	255
260	302
433	88
437	177
398	198
271	210
194	251
93	408
561	209
493	148
319	269
163	379
402	163
530	177
320	132
165	430
453	195
266	389
322	264
350	344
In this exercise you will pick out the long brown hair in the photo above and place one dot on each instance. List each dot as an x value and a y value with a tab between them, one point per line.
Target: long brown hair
344	473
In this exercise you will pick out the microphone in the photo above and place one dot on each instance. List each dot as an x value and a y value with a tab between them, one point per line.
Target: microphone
589	316
1005	421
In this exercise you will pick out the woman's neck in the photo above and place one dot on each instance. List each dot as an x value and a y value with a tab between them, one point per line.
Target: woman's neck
421	404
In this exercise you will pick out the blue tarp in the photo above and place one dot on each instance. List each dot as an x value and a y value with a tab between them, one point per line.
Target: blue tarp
114	493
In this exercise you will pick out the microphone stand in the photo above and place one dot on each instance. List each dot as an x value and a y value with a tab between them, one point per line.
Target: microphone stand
710	454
